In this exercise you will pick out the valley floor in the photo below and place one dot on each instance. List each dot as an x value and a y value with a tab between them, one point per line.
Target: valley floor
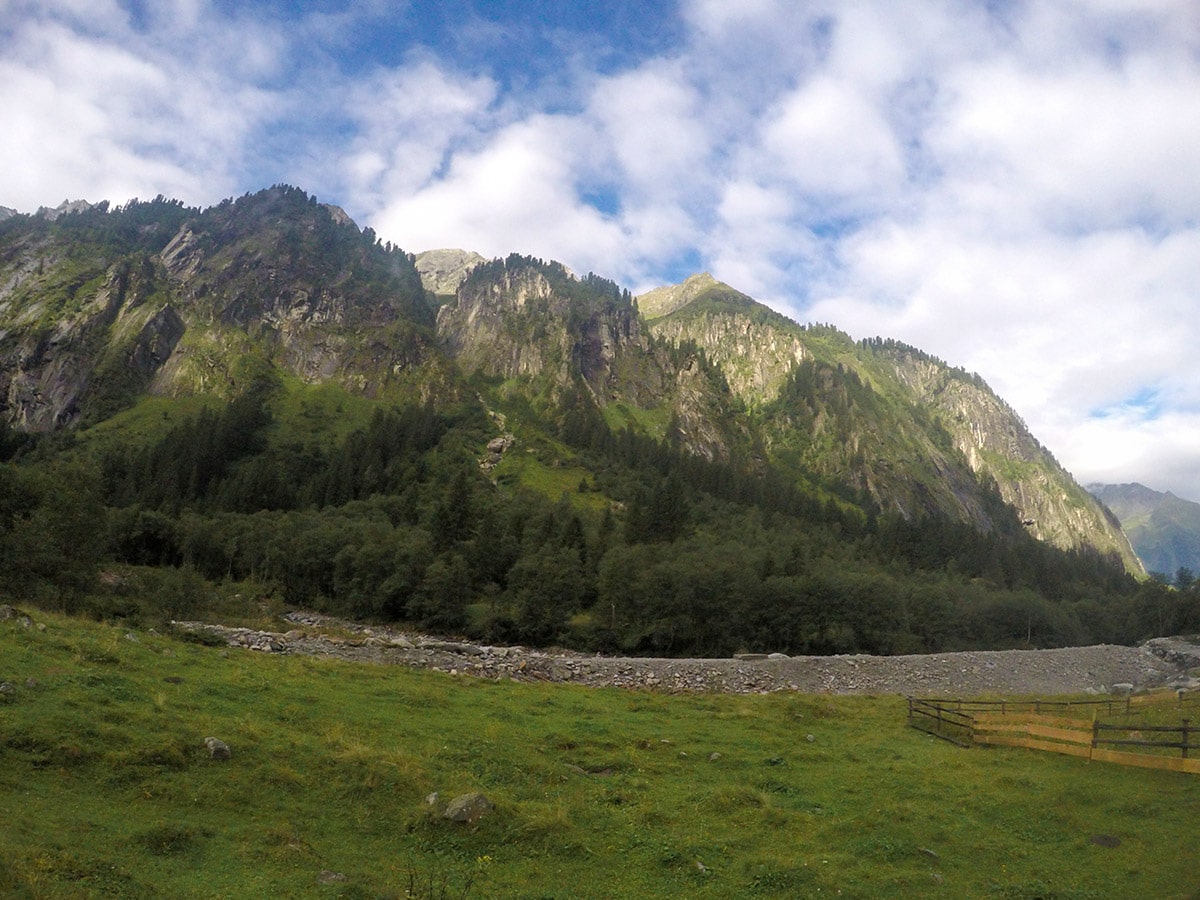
1074	670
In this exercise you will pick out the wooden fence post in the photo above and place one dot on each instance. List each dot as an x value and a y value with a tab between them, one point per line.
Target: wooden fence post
1186	737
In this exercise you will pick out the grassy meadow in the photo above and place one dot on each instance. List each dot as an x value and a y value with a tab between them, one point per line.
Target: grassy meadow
107	790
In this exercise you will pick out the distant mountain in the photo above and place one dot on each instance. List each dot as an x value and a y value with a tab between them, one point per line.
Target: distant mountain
1164	529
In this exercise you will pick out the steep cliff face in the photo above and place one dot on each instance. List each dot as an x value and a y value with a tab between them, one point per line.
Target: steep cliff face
442	271
98	305
901	428
755	347
75	336
302	285
525	319
997	445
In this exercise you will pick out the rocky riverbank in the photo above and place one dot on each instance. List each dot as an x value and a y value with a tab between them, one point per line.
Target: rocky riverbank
1106	668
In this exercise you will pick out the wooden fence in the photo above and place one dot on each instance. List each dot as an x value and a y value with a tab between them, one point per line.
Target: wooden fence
1030	724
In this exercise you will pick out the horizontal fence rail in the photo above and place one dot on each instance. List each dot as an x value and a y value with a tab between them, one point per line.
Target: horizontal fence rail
1029	724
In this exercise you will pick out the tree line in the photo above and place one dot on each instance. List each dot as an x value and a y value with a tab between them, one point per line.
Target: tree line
396	522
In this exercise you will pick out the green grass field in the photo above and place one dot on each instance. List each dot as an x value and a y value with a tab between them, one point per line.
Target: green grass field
106	789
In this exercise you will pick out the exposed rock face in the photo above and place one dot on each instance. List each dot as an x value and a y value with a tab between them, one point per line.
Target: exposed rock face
442	271
529	320
104	305
996	443
64	208
755	348
490	327
851	417
513	322
52	366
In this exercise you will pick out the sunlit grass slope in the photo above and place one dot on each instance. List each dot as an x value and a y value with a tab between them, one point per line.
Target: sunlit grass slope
106	789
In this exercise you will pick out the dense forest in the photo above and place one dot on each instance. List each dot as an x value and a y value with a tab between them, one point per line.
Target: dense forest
651	552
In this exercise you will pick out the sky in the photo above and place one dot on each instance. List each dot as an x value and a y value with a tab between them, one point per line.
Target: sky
1010	185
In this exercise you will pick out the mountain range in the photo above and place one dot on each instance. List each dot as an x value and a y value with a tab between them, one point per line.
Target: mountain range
278	319
1164	529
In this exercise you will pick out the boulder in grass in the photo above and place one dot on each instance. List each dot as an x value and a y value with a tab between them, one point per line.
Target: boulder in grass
217	749
469	808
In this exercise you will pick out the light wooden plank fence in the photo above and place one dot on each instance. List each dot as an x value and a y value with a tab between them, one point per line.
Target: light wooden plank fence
1029	724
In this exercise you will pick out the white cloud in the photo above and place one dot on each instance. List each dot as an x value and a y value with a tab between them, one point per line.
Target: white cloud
1009	186
107	113
651	120
516	193
408	121
1092	146
831	142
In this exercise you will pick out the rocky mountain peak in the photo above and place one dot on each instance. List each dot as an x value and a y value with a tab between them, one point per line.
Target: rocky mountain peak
64	208
339	215
662	301
442	271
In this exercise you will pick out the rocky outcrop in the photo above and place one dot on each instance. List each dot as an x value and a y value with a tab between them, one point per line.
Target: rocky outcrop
52	367
755	348
509	326
525	319
468	808
64	208
997	444
217	749
903	428
443	271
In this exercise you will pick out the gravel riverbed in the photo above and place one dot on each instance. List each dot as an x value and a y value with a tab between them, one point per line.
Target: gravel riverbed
1074	670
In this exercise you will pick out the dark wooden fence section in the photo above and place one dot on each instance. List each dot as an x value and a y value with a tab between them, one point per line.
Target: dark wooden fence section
1071	727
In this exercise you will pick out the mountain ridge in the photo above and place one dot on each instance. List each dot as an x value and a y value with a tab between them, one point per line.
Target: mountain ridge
283	279
1164	529
758	349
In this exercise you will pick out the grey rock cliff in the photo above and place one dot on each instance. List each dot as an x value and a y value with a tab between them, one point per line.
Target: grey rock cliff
442	271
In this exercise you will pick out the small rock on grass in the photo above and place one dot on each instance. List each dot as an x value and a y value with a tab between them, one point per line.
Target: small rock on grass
217	749
469	808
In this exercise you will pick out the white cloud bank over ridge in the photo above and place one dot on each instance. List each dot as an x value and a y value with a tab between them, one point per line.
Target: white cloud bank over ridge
1010	186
